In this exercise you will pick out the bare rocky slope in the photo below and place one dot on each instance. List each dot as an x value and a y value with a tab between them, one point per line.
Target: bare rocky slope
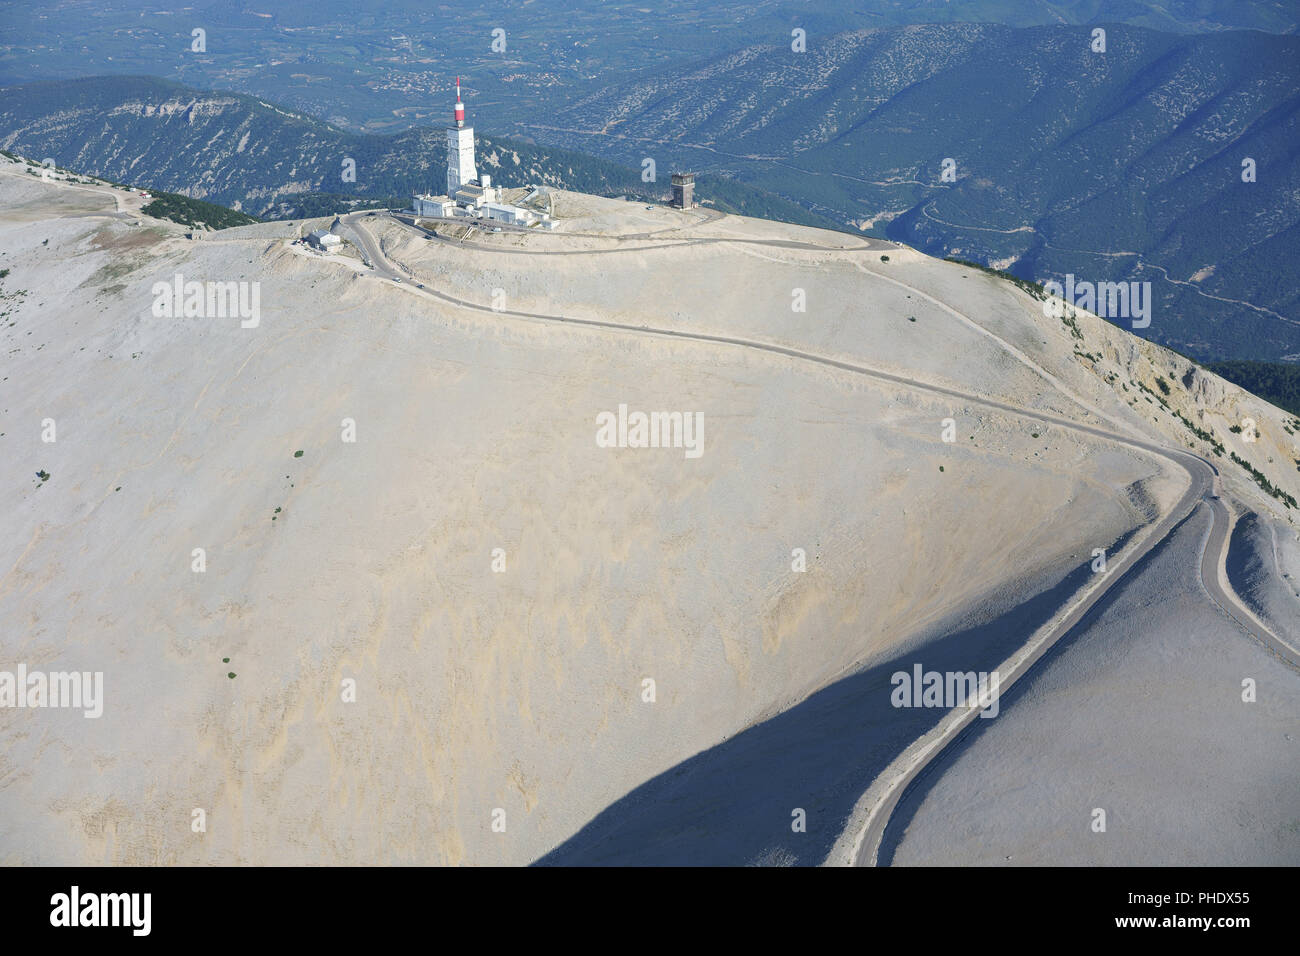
474	616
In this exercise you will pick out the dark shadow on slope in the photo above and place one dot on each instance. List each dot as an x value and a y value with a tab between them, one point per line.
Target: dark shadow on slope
732	804
913	796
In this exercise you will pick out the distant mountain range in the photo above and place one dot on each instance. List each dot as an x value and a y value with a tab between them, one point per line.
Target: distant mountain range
251	155
386	67
1025	149
1122	165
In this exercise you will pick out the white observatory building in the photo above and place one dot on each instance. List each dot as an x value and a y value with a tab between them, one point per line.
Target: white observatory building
460	150
470	195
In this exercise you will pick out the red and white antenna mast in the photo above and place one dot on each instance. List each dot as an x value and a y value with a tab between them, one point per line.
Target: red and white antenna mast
460	107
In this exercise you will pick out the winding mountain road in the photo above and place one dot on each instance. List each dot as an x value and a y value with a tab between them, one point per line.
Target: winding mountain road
860	842
649	240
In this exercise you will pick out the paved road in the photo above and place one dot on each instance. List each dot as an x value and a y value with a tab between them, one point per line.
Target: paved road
1204	474
900	775
648	240
122	210
1213	557
861	847
864	847
369	246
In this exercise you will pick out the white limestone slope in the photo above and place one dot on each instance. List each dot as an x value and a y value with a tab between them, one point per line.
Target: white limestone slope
476	690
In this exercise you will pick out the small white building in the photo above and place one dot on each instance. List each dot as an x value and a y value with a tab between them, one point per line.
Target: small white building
439	207
475	196
324	240
515	215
